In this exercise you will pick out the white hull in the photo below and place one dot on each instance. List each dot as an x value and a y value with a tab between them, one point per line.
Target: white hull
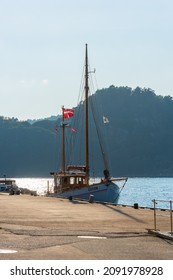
103	192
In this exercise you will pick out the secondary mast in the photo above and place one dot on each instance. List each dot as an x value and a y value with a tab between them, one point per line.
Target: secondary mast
63	142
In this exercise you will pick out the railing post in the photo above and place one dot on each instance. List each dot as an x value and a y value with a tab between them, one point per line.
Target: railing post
171	216
170	205
154	201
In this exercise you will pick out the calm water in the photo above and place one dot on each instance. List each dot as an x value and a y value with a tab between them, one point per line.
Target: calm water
144	190
136	190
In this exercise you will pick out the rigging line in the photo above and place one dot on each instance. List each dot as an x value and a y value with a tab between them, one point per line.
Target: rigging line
79	117
58	158
94	126
68	151
99	136
96	82
98	129
76	141
105	131
57	146
71	150
82	126
55	155
91	151
76	117
120	191
81	86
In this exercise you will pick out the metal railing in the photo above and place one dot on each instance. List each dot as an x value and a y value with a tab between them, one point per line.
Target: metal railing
155	202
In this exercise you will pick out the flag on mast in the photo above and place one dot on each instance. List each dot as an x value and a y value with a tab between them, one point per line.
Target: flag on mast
105	119
68	113
73	129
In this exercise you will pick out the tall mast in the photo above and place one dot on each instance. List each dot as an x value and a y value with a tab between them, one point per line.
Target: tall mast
86	112
63	142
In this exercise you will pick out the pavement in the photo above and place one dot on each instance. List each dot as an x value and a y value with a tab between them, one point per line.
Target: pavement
48	228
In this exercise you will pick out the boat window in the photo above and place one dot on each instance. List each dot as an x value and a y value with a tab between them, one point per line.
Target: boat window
72	181
79	181
65	180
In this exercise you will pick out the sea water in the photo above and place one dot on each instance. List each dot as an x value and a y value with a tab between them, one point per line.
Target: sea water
136	190
144	190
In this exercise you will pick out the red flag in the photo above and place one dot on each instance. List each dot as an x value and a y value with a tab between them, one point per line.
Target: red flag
73	129
68	113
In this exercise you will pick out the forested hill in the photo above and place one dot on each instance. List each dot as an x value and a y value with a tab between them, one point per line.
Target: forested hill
25	149
141	124
140	137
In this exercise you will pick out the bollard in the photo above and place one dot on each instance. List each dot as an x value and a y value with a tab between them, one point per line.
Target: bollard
48	191
91	198
136	206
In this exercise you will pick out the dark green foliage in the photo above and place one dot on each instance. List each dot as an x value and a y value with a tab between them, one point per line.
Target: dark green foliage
25	150
141	131
139	137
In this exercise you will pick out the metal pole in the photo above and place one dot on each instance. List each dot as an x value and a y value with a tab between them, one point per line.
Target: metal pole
154	201
48	187
171	215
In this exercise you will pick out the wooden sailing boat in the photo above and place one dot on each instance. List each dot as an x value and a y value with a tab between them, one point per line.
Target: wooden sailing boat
74	180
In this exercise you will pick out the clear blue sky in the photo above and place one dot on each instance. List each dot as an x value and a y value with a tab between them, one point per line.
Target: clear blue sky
42	50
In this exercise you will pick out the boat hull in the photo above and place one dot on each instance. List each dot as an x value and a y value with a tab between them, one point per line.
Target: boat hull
103	192
8	186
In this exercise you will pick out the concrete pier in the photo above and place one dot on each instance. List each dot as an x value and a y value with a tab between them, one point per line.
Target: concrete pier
39	228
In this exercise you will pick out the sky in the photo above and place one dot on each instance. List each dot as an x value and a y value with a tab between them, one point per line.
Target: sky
42	47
